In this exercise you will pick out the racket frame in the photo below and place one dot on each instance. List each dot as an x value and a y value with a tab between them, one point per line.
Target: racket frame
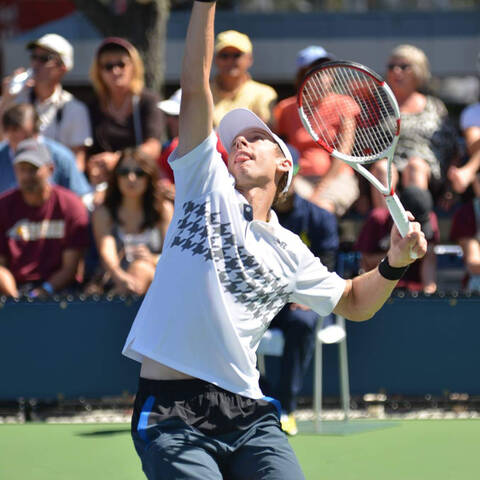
394	205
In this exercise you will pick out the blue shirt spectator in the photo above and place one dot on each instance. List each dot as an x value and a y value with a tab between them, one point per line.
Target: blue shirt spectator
315	226
65	173
21	122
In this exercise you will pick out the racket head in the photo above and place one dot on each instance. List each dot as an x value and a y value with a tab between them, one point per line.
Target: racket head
339	90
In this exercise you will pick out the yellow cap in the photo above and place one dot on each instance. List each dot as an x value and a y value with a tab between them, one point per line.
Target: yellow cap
232	38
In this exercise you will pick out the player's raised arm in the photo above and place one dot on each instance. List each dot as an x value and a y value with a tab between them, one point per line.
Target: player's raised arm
196	112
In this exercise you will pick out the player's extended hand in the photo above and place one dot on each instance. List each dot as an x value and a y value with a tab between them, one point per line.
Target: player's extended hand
399	254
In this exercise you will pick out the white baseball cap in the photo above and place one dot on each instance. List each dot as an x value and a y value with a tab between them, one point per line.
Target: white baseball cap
171	106
312	54
56	44
240	119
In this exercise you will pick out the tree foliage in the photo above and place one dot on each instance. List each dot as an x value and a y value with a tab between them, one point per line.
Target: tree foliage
142	22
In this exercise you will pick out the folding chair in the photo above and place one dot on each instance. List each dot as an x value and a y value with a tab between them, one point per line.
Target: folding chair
322	337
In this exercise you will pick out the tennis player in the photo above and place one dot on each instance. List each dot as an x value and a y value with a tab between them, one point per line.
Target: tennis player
226	269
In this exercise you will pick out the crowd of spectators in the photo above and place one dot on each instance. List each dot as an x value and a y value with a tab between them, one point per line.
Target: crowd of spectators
62	162
87	193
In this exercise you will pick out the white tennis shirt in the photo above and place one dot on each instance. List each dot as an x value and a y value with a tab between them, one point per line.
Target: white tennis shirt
221	279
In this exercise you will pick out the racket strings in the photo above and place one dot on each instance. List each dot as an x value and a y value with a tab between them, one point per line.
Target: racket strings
336	94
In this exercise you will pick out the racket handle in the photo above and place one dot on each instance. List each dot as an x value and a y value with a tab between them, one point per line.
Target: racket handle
399	216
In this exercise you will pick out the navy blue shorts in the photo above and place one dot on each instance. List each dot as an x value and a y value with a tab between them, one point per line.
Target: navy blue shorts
191	429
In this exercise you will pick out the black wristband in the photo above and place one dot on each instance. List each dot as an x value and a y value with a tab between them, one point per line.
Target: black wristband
389	272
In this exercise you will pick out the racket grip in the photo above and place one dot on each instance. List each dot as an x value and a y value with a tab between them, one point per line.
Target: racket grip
399	216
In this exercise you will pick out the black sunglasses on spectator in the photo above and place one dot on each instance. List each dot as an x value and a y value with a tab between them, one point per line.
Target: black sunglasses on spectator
225	55
401	66
125	171
43	58
109	66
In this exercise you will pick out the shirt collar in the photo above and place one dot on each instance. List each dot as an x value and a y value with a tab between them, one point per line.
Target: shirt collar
55	98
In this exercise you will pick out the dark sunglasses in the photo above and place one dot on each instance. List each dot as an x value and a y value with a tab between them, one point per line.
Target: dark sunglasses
109	66
43	58
125	171
401	66
225	55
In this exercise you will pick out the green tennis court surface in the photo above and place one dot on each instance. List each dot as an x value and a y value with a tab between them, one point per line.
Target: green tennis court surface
412	450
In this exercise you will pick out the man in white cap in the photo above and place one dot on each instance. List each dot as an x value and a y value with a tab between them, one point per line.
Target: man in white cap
62	117
233	86
226	269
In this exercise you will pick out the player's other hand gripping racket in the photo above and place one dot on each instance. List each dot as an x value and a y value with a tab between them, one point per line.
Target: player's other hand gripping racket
351	112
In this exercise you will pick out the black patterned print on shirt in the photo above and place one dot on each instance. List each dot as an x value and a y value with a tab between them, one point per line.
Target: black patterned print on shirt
202	233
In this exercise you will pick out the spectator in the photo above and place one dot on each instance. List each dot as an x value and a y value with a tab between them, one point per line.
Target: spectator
374	239
318	229
131	225
466	232
21	122
428	140
62	117
232	86
171	110
326	181
125	114
462	177
43	228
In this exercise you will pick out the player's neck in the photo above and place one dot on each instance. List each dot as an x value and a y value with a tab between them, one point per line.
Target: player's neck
261	200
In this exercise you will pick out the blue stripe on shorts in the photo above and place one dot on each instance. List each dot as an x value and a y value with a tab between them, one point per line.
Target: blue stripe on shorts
275	403
143	418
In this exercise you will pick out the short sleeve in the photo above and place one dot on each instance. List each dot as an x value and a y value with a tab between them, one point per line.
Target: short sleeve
77	234
315	286
470	117
200	171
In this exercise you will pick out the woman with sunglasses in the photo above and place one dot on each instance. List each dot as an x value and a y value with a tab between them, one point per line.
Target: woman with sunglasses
130	226
125	114
428	140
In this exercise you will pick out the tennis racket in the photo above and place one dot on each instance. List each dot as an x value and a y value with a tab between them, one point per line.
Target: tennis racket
351	112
